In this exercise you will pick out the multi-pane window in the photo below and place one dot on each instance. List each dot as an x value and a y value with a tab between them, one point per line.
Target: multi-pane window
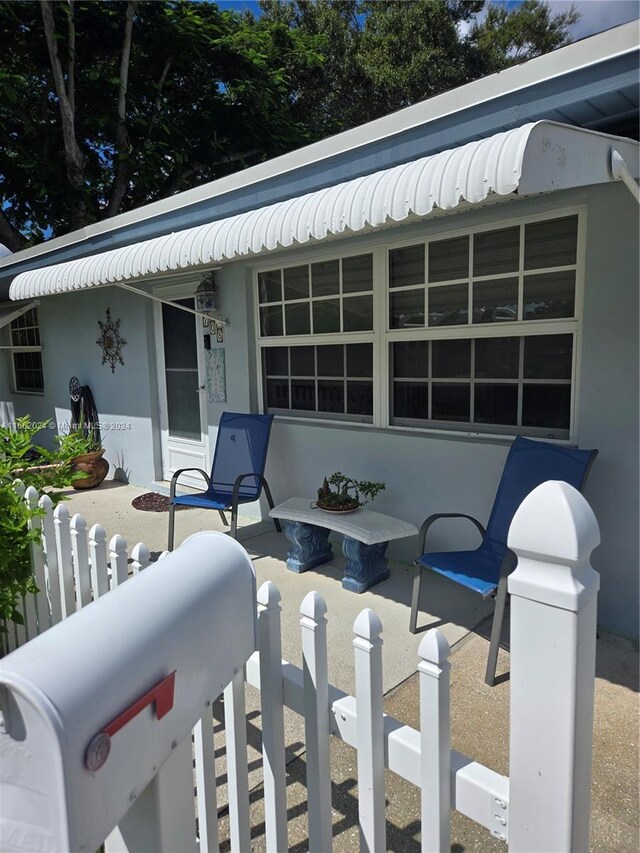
317	299
330	380
521	382
480	333
522	273
522	279
27	356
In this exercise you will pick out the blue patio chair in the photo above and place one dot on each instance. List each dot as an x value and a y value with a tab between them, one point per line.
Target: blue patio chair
237	473
486	569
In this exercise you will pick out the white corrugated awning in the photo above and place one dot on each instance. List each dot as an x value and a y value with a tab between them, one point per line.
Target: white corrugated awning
532	159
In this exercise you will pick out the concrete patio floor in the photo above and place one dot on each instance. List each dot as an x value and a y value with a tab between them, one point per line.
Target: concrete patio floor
480	715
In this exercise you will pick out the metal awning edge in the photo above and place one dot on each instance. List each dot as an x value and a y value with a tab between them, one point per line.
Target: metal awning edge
537	157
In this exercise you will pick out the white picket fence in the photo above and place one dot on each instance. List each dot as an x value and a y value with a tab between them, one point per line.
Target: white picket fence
545	802
71	567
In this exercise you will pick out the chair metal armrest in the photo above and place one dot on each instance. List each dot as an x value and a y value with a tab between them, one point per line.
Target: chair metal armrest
235	494
174	479
426	524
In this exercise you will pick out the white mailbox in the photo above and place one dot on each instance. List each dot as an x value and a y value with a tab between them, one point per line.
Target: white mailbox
93	707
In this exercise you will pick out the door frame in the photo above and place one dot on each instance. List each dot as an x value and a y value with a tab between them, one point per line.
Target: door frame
188	448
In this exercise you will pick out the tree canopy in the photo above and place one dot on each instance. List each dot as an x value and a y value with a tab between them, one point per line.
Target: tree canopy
105	106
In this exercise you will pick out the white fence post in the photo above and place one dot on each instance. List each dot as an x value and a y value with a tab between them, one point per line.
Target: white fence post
51	568
80	551
235	723
206	783
435	742
553	634
98	557
65	561
118	560
271	698
316	720
20	631
36	611
367	644
140	557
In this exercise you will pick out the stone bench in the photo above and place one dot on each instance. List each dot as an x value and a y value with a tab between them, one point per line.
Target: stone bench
366	537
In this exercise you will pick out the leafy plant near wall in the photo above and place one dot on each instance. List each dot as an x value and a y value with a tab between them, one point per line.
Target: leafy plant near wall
348	493
46	471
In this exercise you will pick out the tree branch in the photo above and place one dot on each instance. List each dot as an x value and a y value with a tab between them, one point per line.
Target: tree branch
73	154
157	105
123	167
74	158
71	73
175	178
9	234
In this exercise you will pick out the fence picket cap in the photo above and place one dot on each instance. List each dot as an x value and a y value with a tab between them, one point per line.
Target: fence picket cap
434	651
367	629
553	533
313	610
77	523
31	496
269	597
141	557
45	503
61	513
118	545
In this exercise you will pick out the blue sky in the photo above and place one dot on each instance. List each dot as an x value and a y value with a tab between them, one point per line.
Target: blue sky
596	15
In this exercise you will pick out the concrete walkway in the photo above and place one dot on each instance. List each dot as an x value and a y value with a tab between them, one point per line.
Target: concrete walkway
480	715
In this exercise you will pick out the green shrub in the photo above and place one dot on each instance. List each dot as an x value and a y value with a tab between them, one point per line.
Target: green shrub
45	470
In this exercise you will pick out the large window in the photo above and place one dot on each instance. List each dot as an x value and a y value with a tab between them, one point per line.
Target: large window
26	353
330	380
321	298
479	333
450	366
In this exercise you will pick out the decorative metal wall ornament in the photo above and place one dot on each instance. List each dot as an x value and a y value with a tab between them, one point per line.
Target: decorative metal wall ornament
111	341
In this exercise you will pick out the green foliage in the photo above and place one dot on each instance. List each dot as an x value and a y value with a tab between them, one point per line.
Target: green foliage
381	55
347	492
51	470
207	94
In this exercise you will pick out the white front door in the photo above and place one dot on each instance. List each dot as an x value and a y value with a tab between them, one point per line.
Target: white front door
182	387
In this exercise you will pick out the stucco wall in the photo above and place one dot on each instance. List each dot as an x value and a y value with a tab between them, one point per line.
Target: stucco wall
69	330
608	417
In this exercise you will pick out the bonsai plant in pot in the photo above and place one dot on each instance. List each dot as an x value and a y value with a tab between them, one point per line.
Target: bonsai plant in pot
348	495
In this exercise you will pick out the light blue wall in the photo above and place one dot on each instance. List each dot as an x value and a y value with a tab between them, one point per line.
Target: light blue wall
69	330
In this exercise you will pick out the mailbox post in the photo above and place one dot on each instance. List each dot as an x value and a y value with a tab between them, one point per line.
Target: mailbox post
96	707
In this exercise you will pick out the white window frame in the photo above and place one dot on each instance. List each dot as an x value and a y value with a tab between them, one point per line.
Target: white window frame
362	337
21	349
382	335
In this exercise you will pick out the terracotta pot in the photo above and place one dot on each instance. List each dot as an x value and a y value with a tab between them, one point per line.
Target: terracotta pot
94	466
